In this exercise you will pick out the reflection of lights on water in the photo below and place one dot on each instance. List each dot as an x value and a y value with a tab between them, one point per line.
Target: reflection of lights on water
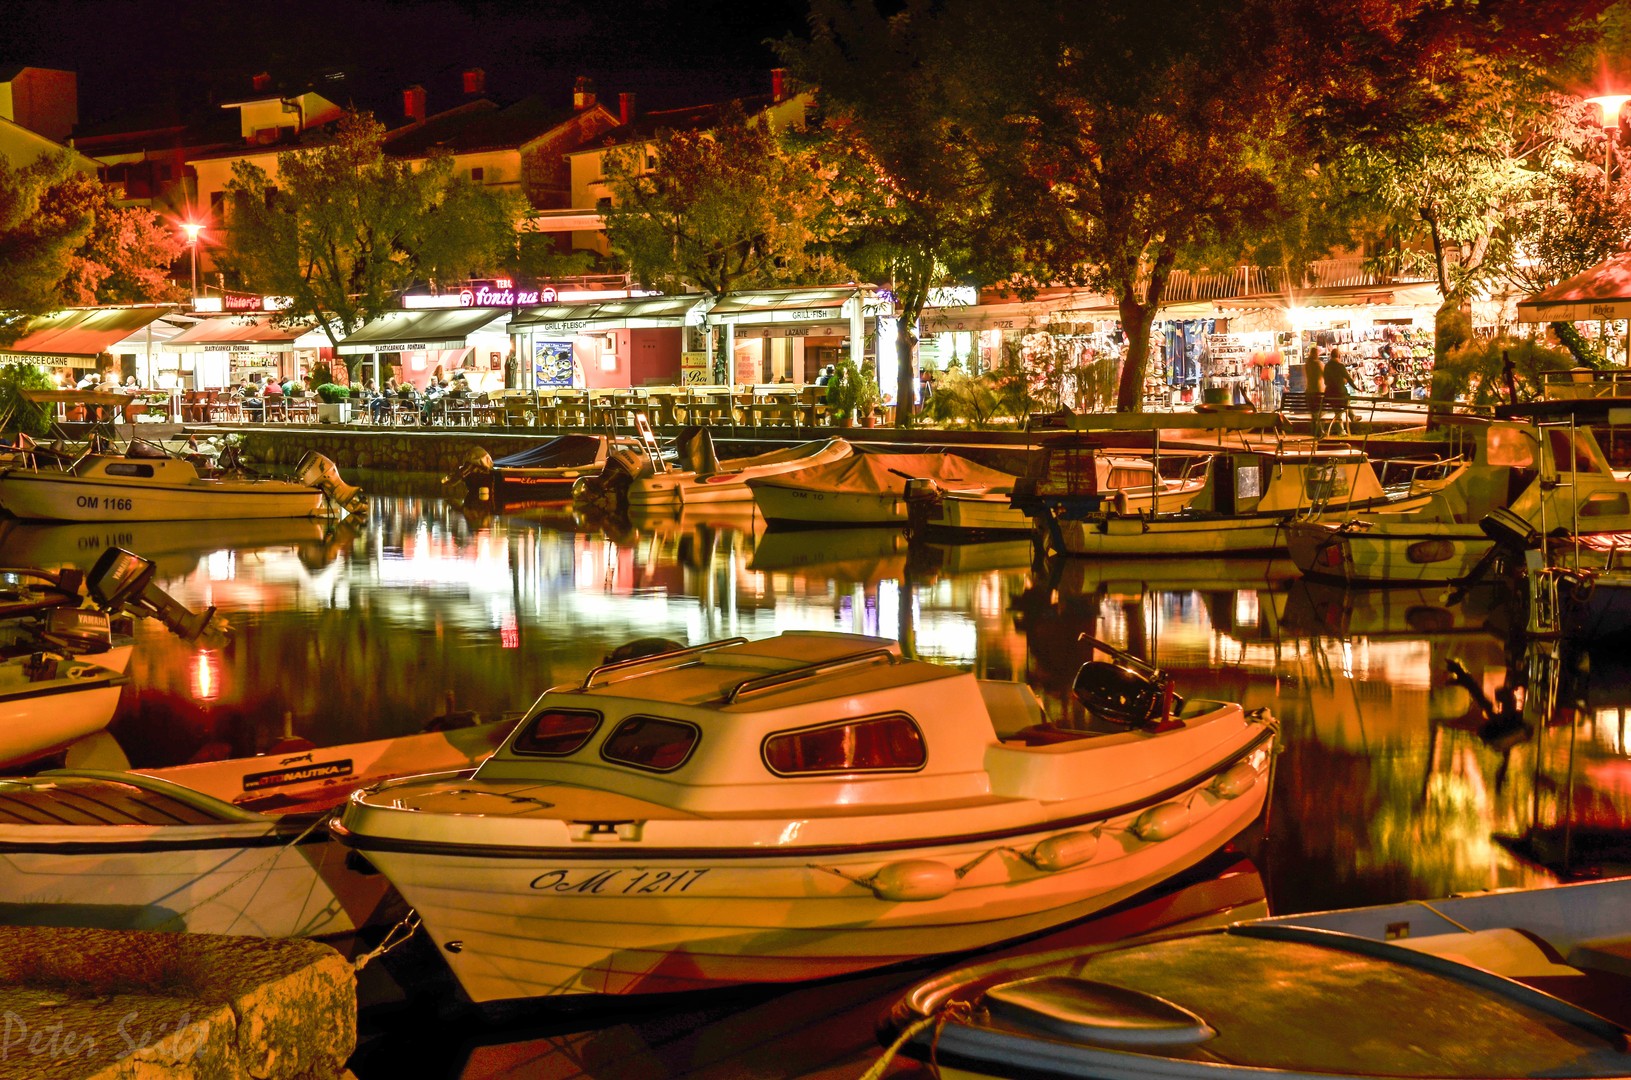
1248	611
206	675
1347	660
219	565
509	632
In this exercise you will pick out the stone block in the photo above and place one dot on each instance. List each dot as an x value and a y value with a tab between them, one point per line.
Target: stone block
80	1004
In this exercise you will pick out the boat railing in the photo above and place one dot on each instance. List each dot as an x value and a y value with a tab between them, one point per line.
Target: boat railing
758	684
651	665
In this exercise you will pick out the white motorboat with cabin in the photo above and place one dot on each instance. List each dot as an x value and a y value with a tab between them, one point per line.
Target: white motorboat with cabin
1253	488
148	484
1131	484
642	480
1522	983
223	847
1521	479
874	489
799	807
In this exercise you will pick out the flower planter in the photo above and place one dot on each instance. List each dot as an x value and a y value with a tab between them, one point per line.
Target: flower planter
338	413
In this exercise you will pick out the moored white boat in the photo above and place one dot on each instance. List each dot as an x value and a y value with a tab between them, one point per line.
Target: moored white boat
225	847
804	806
1488	985
872	489
156	487
48	701
541	473
638	480
1534	479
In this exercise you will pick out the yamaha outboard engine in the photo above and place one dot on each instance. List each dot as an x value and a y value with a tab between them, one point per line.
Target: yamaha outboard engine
319	472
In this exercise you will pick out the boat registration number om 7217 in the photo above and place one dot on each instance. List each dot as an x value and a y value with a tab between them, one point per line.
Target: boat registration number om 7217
627	882
97	502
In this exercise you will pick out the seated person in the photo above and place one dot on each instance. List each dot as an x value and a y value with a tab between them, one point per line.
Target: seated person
254	405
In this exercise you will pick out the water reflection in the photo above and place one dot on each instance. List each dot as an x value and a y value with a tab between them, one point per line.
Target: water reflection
1385	789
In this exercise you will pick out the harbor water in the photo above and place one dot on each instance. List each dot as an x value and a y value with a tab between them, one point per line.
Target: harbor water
1389	785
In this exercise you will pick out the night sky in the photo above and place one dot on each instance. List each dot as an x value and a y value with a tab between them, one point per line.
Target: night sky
669	52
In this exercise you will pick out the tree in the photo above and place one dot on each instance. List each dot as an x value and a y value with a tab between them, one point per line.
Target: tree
722	210
126	256
910	196
37	241
345	230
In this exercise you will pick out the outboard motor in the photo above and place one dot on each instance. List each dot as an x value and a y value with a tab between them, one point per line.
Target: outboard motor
319	472
1125	689
122	580
475	474
607	490
925	503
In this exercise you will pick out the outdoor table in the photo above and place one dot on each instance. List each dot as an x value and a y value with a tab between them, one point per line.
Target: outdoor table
666	403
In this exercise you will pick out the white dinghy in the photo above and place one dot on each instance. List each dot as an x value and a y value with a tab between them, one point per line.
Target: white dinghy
148	484
804	806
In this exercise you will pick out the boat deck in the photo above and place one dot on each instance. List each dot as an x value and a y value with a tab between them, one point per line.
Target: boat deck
73	800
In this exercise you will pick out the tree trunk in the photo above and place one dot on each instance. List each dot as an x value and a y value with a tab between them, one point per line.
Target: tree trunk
905	376
1135	323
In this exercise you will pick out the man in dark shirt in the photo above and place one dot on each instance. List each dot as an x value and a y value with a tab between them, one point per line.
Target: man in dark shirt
1337	385
1313	376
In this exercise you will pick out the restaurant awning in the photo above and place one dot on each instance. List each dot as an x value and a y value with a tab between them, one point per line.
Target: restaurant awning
1348	297
424	331
569	319
1602	292
80	333
1034	314
823	305
245	334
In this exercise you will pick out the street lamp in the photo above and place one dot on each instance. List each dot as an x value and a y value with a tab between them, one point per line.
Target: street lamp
192	229
1610	104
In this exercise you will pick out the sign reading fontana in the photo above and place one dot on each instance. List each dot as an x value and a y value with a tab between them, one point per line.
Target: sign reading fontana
503	295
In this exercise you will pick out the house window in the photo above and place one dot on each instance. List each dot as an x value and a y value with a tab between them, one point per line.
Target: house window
603	203
651	162
265	136
218	199
890	743
477	173
649	742
556	732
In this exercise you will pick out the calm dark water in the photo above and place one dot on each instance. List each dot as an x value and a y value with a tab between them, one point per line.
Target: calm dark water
1385	789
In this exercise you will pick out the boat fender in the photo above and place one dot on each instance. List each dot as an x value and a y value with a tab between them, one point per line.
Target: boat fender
1161	822
1235	781
1064	851
911	880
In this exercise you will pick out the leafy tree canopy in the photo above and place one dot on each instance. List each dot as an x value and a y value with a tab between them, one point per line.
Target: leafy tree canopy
37	240
344	230
126	256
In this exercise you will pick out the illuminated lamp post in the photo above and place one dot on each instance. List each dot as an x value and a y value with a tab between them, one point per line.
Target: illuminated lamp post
1610	104
192	229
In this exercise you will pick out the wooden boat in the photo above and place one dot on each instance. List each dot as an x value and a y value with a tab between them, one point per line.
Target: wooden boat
1489	985
799	807
153	486
639	479
48	700
1533	478
226	847
874	489
542	473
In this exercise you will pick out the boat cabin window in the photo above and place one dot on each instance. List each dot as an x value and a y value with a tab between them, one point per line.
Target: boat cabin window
876	744
650	742
1513	447
127	468
556	732
1571	455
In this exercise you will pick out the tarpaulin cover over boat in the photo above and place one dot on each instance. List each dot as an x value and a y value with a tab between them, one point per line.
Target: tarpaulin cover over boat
887	474
562	451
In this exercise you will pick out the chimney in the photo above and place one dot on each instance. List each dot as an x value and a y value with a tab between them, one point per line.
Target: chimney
583	93
475	81
261	82
625	107
413	103
778	84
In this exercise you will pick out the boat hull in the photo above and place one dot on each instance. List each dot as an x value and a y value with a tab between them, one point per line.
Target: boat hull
516	924
1380	555
43	496
33	725
800	506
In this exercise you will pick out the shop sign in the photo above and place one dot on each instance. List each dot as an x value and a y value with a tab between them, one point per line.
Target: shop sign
694	369
483	296
563	328
240	302
1604	311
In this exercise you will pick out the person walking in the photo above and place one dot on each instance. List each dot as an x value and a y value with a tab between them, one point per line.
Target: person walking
1337	385
1313	382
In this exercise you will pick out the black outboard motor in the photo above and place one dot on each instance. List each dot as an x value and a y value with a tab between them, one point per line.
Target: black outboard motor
1125	690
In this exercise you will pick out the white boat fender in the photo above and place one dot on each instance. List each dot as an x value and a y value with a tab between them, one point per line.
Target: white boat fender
1235	781
1063	851
904	881
1161	822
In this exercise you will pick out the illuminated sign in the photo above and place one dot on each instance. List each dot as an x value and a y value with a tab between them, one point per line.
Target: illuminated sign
482	296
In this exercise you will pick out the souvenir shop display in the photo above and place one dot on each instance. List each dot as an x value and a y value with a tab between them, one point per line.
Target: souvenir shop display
1386	361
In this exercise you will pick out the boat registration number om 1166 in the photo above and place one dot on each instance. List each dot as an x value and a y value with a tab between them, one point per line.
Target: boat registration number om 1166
631	882
97	502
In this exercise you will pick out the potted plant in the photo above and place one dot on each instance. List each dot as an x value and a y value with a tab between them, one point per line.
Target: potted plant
851	393
333	404
867	398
